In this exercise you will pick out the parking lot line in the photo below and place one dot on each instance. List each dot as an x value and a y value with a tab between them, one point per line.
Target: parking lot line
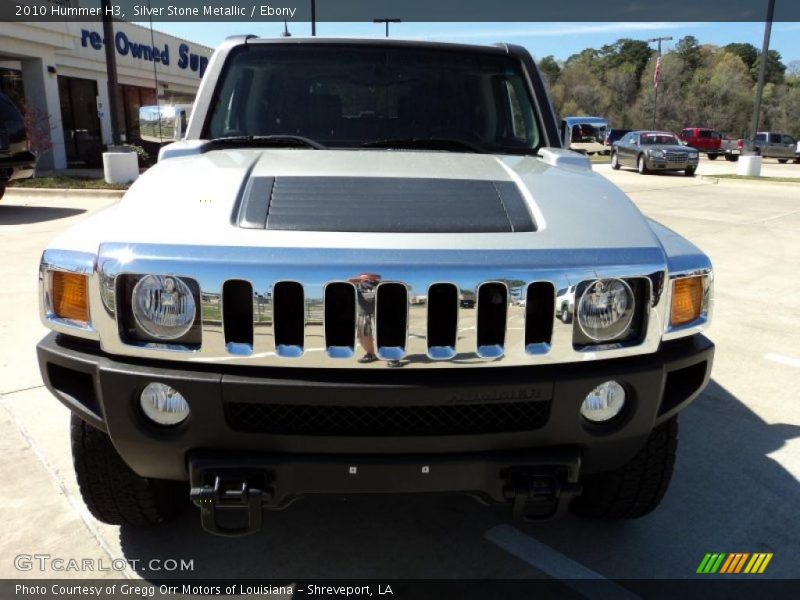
783	360
556	565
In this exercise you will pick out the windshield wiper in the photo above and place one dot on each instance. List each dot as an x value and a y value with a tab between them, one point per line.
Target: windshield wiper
284	140
430	143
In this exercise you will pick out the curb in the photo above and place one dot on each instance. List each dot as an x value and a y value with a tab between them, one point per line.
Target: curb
22	193
766	181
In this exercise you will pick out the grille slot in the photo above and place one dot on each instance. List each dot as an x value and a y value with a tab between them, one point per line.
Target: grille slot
539	314
381	420
442	320
237	316
391	320
492	314
676	157
340	319
288	318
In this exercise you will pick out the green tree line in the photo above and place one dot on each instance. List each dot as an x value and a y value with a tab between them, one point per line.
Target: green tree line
700	86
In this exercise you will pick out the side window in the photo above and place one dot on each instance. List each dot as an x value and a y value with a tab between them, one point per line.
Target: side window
774	138
705	134
787	139
761	137
686	133
517	120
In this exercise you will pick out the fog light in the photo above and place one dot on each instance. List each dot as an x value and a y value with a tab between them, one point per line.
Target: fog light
604	402
163	405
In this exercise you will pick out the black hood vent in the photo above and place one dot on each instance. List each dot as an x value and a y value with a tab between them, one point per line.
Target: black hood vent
383	205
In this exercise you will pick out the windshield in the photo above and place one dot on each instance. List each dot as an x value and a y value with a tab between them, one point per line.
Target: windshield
346	96
651	139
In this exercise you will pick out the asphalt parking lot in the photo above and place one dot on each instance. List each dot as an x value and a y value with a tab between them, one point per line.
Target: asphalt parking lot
736	486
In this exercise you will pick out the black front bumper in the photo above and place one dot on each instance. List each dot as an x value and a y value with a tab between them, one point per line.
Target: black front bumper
103	390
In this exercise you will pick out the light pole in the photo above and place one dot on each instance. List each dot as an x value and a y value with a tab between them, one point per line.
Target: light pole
657	75
387	21
313	17
762	76
111	72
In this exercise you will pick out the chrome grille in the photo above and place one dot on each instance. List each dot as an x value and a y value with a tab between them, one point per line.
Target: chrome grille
676	157
429	309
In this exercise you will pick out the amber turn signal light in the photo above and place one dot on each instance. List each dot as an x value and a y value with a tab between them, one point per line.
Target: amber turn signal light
687	300
70	298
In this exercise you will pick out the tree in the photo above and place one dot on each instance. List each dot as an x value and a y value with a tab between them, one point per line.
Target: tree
776	70
627	51
747	52
550	69
688	48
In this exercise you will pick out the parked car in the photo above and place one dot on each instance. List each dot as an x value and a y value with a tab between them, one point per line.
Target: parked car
345	178
614	135
649	151
703	140
16	159
584	134
766	144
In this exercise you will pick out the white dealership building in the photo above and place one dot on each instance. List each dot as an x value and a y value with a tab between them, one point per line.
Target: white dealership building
59	70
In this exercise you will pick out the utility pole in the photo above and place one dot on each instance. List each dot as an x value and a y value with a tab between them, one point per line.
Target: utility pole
387	21
111	72
285	30
657	76
762	76
313	17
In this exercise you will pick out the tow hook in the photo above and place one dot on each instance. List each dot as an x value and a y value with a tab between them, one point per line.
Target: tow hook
230	507
538	495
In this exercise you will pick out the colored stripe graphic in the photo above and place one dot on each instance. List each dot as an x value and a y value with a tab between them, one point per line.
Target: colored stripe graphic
711	562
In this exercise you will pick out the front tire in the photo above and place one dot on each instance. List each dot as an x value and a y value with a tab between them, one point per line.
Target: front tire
713	156
615	161
783	161
690	171
636	488
113	493
642	165
731	157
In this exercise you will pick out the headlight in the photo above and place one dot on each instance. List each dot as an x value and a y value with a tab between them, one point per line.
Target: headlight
606	309
657	153
163	306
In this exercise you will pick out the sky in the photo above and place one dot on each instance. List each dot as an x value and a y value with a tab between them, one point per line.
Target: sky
542	39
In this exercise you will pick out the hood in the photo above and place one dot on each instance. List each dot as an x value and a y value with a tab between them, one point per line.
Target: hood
379	199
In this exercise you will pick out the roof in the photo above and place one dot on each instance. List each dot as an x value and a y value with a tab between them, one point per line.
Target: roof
499	48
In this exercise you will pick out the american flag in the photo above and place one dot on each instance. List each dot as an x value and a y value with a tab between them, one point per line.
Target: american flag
657	74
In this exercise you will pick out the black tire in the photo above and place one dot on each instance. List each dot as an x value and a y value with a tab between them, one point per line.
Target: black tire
731	157
615	161
113	493
690	171
2	191
783	161
713	156
637	487
641	165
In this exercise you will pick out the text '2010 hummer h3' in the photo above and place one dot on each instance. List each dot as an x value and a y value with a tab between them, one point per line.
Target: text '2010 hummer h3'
345	280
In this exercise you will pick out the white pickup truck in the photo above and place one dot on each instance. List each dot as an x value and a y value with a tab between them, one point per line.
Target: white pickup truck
240	330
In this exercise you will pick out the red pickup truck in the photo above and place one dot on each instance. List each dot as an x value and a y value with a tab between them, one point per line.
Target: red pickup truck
704	140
